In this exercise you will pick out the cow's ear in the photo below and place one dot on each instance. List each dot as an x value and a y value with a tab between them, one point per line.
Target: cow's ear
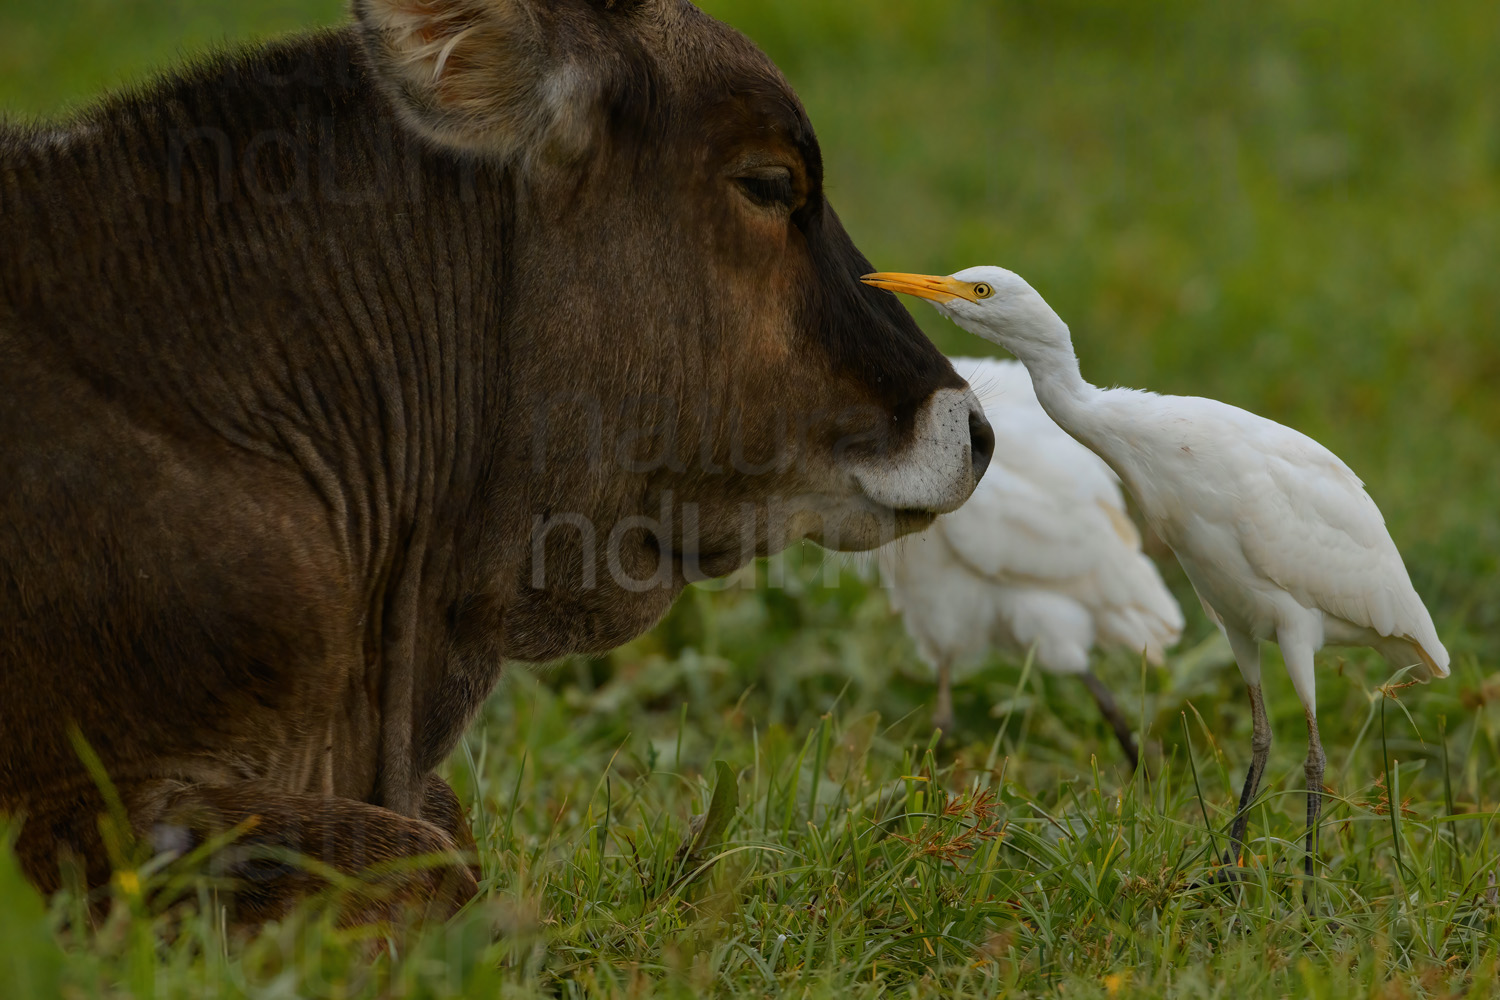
502	77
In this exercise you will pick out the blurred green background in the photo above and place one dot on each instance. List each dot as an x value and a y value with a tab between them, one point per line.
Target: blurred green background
1289	205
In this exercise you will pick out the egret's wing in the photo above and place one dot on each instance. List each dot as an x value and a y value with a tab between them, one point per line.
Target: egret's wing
1135	608
1050	516
947	609
1043	506
1308	525
997	382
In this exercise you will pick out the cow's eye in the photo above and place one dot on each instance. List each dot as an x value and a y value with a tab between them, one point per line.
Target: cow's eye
771	188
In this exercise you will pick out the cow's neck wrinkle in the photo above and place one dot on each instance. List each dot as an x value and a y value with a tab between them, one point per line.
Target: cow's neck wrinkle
344	327
318	286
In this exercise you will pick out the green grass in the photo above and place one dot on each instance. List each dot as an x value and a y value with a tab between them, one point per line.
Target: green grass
1294	207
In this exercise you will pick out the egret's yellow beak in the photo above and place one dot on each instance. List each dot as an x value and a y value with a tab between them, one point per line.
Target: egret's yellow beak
925	286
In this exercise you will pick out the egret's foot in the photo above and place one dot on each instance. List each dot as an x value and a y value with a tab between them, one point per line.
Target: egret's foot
1150	751
1110	709
1233	869
1228	874
942	718
942	708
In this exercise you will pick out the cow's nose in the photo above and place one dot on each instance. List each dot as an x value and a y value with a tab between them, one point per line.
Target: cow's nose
981	439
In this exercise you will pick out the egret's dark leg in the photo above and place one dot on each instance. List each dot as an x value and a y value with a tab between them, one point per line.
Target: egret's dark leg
942	709
1260	750
1316	761
1299	640
1247	656
1116	718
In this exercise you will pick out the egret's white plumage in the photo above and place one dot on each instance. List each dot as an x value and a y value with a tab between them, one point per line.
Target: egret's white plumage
1277	535
1042	554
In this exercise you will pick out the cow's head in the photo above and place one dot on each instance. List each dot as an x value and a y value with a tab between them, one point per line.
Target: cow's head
697	374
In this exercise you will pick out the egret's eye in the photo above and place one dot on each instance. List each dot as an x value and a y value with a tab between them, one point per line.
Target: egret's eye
983	291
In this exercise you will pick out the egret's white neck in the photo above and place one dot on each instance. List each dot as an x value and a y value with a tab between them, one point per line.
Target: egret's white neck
1040	340
1047	353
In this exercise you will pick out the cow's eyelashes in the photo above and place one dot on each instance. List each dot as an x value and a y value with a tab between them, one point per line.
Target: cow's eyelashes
769	189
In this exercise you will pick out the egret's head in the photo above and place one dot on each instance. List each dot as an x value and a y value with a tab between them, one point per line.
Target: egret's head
989	302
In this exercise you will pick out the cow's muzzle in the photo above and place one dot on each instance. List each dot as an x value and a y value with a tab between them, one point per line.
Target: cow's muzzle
941	463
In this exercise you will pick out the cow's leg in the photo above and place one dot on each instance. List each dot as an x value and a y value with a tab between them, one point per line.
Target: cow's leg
399	864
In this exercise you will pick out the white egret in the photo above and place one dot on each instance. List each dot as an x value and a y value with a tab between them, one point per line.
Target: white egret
1276	534
1042	554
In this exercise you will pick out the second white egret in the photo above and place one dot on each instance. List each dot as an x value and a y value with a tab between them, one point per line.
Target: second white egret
1043	556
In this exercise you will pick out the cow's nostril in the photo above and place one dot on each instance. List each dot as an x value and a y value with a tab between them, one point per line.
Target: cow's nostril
981	441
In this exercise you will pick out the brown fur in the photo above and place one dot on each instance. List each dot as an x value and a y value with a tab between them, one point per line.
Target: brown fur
298	345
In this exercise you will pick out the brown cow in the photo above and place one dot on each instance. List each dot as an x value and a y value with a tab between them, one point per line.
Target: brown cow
335	372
